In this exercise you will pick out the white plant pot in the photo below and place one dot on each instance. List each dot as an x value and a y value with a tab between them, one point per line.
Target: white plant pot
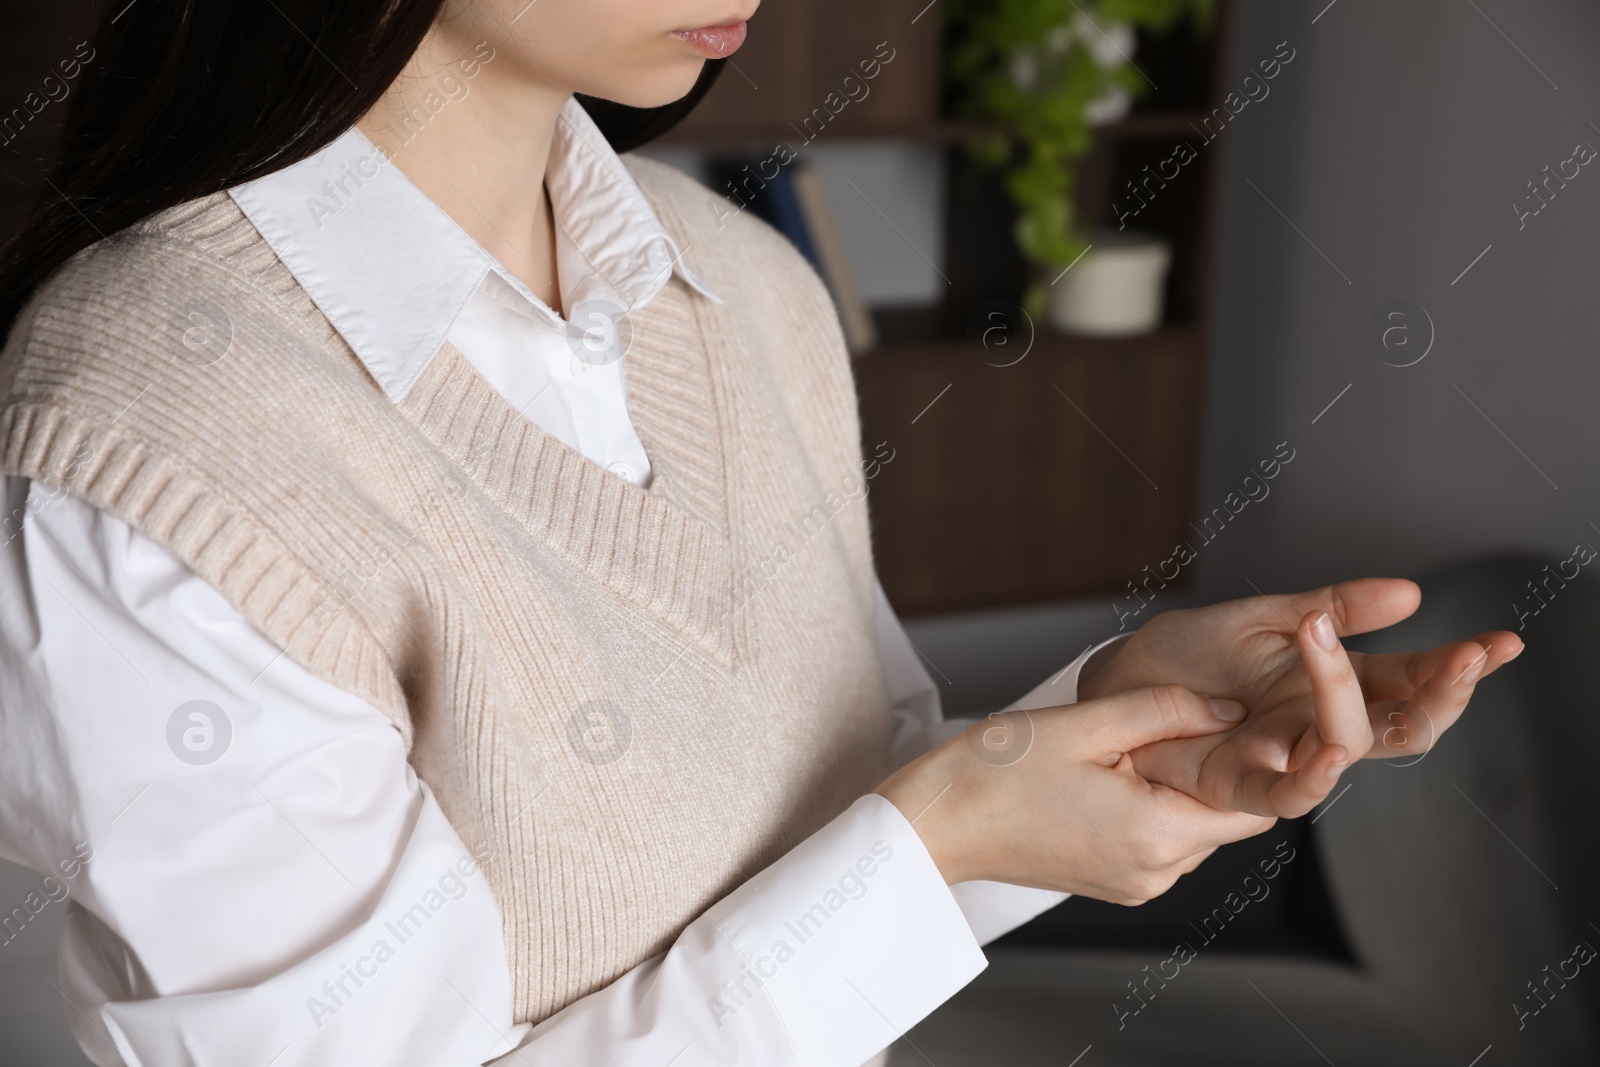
1116	288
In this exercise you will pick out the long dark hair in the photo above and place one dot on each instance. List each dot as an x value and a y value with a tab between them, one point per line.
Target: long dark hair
183	98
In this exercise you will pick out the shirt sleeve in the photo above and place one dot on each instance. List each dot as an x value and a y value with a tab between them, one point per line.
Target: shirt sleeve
258	876
991	908
824	958
242	847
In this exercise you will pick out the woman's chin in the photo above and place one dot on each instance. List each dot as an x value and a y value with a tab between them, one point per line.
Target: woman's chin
658	89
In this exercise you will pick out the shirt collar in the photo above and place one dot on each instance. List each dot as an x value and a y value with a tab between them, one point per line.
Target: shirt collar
392	271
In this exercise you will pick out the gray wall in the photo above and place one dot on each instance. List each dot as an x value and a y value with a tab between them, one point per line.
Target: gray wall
1397	143
1394	142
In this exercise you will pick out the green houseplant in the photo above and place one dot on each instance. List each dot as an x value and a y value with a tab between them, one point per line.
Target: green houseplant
1043	72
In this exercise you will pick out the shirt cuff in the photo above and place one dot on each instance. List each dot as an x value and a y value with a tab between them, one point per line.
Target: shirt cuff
853	935
1062	687
996	908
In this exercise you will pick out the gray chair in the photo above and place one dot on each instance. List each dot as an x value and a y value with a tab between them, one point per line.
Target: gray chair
1444	875
33	1017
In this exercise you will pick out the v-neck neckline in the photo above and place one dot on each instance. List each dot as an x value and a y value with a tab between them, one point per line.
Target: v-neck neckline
666	548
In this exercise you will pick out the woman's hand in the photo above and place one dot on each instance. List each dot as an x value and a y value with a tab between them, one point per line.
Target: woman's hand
1313	708
1051	798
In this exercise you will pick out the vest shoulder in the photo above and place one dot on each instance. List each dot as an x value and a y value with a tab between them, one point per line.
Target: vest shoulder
205	239
144	287
662	183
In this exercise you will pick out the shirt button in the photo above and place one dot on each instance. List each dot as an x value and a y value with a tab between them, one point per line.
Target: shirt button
623	471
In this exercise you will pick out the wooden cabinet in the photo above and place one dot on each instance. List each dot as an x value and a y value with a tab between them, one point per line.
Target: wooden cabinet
794	65
1062	475
1058	476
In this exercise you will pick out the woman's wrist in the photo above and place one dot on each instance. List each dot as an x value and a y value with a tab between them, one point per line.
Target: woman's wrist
925	791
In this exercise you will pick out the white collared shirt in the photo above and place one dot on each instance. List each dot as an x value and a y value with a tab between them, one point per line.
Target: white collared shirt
349	226
236	870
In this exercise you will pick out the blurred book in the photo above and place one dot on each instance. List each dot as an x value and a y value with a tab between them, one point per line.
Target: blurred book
860	334
795	203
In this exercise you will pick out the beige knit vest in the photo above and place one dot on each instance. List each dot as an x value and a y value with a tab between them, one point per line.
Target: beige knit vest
625	700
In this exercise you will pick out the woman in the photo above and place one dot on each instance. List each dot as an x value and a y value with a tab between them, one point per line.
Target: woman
415	660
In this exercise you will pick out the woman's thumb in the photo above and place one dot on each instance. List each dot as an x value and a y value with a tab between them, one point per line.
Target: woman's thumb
1144	716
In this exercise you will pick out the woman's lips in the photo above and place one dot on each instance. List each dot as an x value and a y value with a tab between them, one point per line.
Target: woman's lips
714	42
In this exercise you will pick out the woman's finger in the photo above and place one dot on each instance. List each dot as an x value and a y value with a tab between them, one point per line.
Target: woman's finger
1356	607
1403	728
1413	717
1178	763
1396	675
1194	826
1302	789
1263	791
1127	721
1413	727
1341	707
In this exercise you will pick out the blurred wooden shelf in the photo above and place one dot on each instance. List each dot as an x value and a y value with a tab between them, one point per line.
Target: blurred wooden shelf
798	54
1061	475
764	134
1182	123
1065	474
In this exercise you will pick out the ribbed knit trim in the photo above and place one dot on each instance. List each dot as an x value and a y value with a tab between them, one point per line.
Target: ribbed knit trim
216	535
485	584
637	542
